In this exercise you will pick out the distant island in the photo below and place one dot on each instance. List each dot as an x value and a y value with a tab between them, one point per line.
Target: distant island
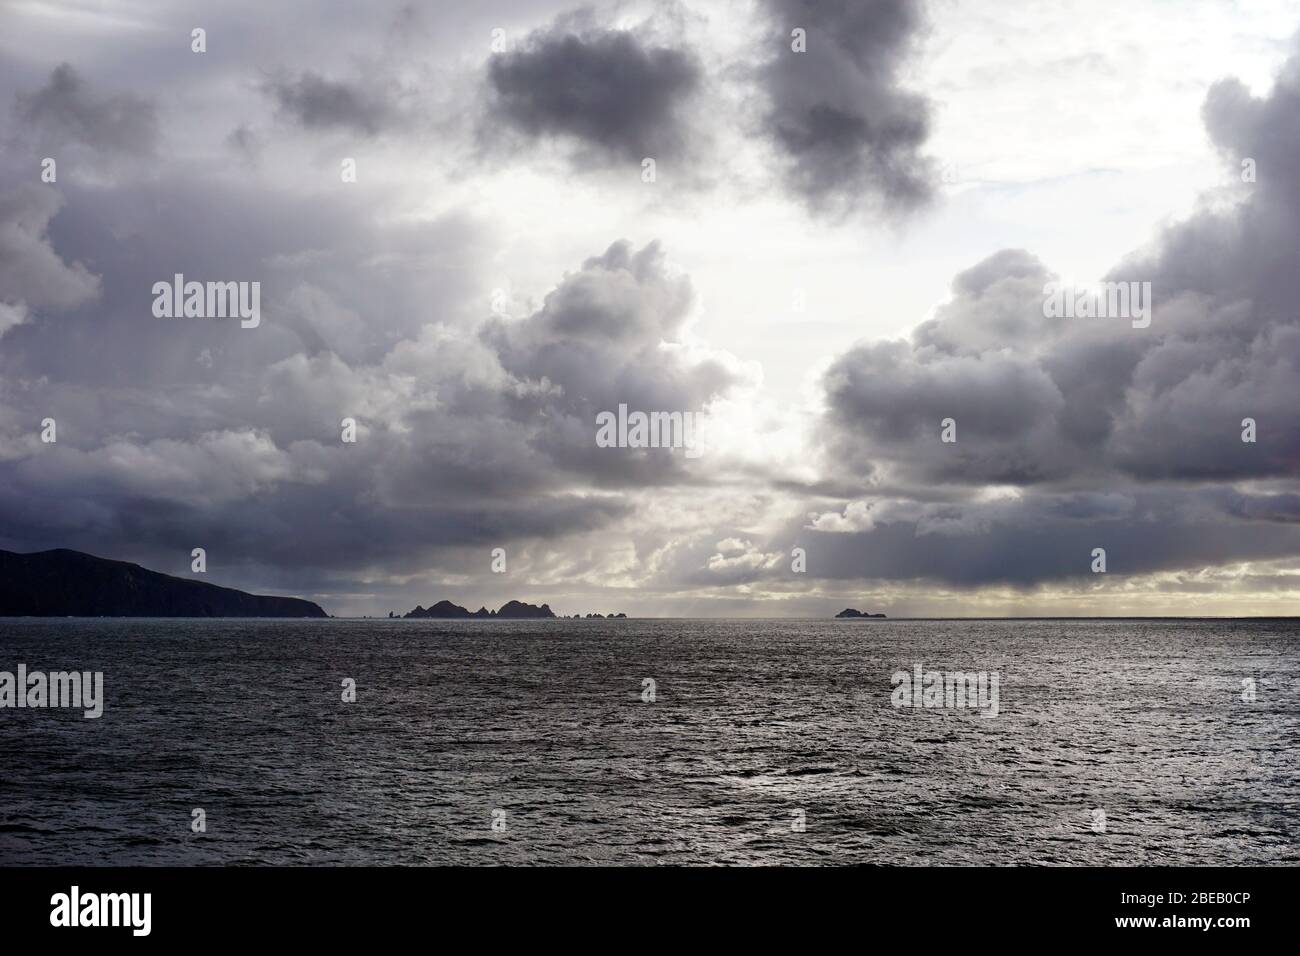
853	612
511	610
64	583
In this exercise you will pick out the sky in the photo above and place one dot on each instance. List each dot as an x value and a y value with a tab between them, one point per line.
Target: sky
826	228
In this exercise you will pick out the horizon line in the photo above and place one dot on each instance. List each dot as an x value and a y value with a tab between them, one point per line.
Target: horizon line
877	620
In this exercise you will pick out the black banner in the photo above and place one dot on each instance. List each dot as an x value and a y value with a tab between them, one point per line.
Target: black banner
950	907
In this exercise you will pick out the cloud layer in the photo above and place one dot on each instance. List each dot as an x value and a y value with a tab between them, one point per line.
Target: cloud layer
476	420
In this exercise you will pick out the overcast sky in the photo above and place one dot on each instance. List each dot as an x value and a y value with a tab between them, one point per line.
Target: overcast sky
842	246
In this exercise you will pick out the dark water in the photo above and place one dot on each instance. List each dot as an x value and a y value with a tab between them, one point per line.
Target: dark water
752	722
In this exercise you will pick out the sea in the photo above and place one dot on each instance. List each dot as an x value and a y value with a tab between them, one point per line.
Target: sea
698	742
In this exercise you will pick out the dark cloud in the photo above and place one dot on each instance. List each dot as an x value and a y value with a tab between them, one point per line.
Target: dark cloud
1034	539
245	142
1045	537
846	130
977	363
66	111
317	103
611	91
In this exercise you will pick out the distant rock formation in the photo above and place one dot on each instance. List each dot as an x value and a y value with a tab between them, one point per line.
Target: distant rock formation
64	583
443	609
511	610
518	609
853	612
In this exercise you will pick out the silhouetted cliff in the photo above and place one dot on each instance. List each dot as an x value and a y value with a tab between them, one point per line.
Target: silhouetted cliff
63	583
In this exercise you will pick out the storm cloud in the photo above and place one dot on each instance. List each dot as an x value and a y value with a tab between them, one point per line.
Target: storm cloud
609	334
318	103
846	131
232	437
614	92
66	111
1064	408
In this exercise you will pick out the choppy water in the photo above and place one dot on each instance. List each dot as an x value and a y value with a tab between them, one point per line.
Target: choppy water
752	722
